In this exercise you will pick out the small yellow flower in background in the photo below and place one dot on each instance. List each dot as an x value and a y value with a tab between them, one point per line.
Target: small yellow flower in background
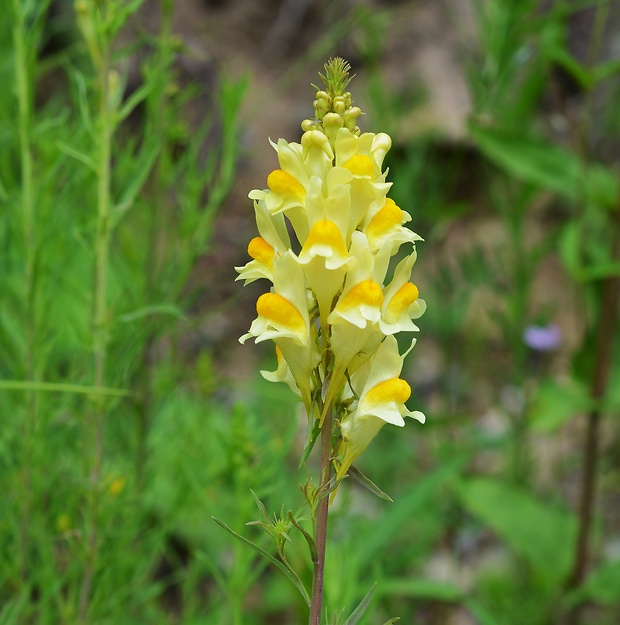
332	310
63	522
116	486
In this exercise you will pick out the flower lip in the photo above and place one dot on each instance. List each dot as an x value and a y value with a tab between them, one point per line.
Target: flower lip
282	182
281	312
366	292
261	251
392	390
386	218
360	165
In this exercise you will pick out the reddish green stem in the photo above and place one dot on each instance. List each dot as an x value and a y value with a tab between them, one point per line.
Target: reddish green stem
321	521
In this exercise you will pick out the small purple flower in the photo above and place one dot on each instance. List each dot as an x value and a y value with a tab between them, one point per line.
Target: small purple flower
543	338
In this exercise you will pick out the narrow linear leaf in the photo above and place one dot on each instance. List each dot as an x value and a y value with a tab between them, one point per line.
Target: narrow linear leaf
357	614
268	556
146	159
311	544
368	484
566	60
316	430
140	94
606	70
77	155
392	621
155	309
52	387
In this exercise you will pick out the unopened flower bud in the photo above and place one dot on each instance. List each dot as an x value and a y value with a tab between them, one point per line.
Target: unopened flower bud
339	105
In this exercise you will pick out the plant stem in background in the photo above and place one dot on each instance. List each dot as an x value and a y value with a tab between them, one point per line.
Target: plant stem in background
157	231
24	100
100	330
321	521
600	378
604	345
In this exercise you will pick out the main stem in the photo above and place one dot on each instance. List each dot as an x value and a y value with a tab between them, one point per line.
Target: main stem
321	520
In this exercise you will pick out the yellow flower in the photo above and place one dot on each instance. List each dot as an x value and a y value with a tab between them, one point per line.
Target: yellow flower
274	240
381	400
401	302
384	227
116	486
283	316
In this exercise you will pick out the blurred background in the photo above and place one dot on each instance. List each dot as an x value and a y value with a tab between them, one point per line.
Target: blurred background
130	135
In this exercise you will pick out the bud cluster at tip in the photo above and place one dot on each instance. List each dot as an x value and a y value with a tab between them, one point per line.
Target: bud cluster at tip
333	106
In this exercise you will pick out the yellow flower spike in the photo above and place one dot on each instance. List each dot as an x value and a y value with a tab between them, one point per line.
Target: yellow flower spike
329	313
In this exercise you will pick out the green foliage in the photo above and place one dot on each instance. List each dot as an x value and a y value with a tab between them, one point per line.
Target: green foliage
541	534
479	525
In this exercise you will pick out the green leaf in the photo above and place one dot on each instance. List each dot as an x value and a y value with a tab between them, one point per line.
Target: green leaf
296	582
155	309
357	614
368	484
539	532
607	69
540	163
311	544
602	586
404	509
555	403
562	57
77	155
58	387
144	165
548	166
570	249
312	438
